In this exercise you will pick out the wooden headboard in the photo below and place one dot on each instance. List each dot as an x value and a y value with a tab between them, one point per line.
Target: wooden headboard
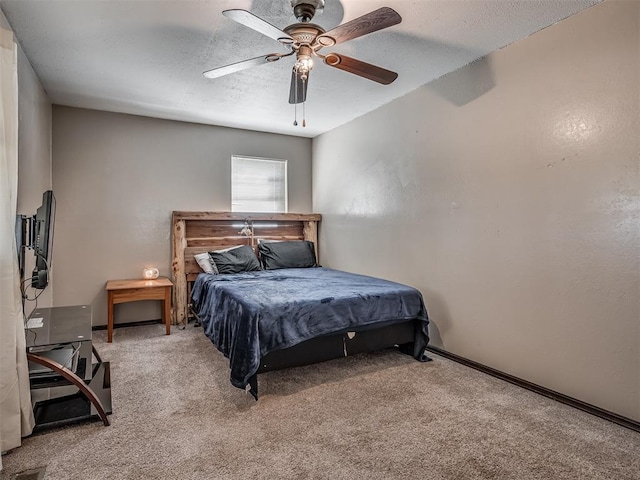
198	232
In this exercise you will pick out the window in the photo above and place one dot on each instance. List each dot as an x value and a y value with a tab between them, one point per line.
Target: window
258	185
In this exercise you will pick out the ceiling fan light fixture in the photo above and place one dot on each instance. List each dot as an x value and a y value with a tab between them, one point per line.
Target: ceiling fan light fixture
303	66
304	62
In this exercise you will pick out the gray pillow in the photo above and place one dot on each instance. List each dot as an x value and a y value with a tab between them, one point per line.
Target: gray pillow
295	254
241	259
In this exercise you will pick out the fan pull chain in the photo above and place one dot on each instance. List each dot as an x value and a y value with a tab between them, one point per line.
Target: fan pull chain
295	105
304	115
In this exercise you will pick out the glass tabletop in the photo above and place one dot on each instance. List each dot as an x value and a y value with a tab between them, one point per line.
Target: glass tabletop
58	326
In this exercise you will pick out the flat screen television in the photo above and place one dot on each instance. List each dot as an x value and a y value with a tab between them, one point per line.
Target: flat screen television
42	237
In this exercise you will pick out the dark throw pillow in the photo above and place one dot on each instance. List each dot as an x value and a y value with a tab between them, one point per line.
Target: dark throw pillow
241	259
295	254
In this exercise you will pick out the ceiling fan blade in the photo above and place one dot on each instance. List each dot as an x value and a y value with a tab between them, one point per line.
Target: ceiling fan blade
371	22
363	69
238	66
298	90
248	19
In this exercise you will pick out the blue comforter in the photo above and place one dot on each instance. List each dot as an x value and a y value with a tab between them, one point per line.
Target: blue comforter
247	315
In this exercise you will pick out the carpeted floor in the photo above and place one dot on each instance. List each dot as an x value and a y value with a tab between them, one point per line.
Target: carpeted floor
372	416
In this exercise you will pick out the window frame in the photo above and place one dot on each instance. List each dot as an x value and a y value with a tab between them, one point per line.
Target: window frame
283	162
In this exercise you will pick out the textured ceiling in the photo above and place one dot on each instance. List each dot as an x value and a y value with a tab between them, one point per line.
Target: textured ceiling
147	57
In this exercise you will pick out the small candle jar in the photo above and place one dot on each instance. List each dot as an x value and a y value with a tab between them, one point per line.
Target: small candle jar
150	273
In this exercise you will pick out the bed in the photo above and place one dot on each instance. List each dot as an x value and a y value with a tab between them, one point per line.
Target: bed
286	315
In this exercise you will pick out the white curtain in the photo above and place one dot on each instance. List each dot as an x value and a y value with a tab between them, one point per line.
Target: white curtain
16	416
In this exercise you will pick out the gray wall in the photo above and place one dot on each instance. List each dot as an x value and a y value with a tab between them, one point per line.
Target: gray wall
34	151
117	178
508	193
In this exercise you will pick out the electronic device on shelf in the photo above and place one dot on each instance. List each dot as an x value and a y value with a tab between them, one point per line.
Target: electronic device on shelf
66	356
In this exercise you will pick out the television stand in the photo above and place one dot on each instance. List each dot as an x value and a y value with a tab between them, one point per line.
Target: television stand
66	385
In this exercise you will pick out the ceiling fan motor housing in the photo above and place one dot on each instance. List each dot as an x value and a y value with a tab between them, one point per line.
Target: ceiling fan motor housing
304	10
303	33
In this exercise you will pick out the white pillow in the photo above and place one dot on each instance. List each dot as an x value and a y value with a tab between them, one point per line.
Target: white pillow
205	263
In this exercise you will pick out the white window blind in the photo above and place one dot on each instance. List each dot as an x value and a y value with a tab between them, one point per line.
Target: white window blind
258	185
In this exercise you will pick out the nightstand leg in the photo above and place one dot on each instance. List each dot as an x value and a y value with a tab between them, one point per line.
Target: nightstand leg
110	317
167	309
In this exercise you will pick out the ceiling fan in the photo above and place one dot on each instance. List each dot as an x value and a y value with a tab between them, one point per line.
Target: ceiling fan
305	40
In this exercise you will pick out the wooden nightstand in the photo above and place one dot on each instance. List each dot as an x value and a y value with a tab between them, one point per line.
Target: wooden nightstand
122	291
